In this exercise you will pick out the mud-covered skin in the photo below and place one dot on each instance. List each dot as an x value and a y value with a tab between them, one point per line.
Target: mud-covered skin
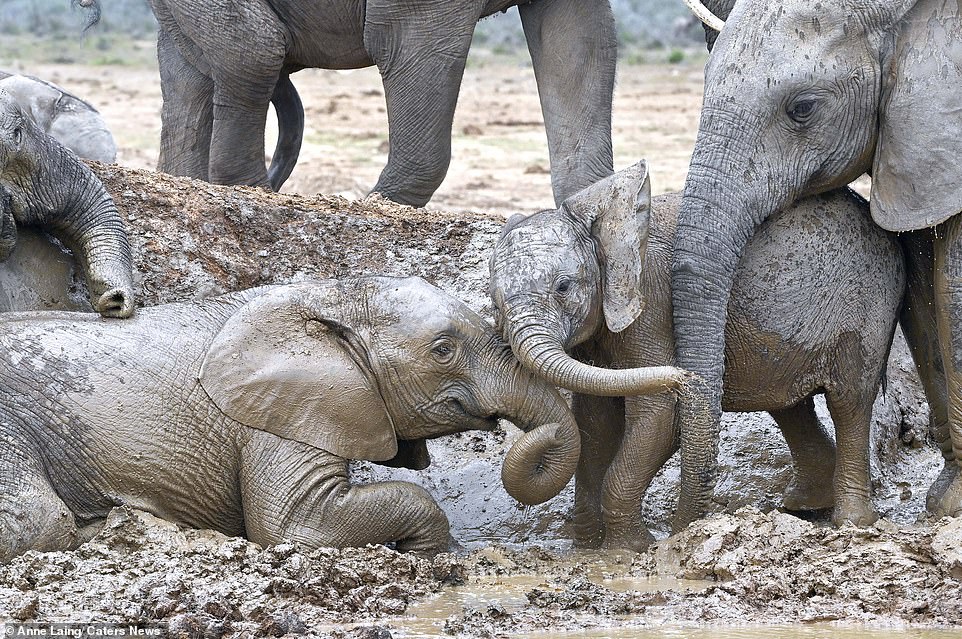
49	187
71	121
813	310
881	97
220	68
182	412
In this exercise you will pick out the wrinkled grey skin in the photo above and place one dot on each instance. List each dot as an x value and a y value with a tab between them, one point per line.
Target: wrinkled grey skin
801	98
43	184
813	309
240	414
220	68
74	123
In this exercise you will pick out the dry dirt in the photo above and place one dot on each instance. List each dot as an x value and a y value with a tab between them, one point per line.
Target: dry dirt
519	574
500	154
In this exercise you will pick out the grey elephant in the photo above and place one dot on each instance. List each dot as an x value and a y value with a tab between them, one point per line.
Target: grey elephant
813	310
44	185
220	68
820	93
240	414
74	123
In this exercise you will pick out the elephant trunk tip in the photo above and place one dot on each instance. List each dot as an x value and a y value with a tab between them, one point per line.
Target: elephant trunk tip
699	458
116	302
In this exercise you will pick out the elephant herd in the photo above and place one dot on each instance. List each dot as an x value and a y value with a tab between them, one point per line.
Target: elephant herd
765	283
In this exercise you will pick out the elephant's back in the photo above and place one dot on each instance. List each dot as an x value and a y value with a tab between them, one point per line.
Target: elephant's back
815	300
115	411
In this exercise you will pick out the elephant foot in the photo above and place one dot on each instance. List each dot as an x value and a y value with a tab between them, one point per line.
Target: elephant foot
637	540
854	510
809	491
949	503
936	493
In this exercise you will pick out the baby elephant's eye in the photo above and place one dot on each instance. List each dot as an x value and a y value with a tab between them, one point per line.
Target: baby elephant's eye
563	286
443	350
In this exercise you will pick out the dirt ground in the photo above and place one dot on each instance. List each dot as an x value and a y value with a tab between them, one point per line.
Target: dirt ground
499	156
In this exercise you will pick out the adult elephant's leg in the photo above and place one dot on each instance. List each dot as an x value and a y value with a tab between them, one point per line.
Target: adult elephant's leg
649	440
601	421
564	35
293	492
813	457
420	47
187	114
919	324
948	296
32	515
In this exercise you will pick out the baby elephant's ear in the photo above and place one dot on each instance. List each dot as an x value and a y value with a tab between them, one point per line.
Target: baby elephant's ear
618	209
284	364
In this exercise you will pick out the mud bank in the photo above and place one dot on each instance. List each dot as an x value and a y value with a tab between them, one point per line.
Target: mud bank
192	239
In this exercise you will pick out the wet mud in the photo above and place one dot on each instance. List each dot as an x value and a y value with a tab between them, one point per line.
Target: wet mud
511	571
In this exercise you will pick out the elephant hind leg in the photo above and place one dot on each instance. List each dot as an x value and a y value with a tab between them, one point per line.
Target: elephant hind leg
32	515
851	411
293	492
813	455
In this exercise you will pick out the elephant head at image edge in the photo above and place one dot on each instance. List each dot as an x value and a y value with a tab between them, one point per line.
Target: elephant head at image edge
804	97
44	185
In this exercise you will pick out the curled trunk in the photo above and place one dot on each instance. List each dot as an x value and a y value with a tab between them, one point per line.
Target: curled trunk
63	195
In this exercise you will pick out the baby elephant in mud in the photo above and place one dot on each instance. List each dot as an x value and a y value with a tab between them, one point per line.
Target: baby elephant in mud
813	310
240	414
44	185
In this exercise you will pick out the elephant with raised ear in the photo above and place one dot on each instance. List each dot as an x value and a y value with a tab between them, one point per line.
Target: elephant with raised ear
241	413
74	123
45	185
220	67
813	310
803	97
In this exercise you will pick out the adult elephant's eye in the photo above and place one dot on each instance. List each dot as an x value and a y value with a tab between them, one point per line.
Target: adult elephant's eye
563	286
802	110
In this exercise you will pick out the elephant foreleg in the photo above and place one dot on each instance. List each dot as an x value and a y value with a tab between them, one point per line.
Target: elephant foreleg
563	35
293	492
851	411
813	457
32	515
648	442
421	68
601	421
187	114
948	298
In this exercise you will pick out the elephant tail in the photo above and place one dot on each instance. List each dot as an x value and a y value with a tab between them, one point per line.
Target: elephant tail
290	131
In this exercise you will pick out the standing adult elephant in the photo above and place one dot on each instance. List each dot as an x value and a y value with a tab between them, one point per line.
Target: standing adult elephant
803	97
222	61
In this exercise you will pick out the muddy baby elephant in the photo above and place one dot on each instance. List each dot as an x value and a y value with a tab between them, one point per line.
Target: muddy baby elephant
240	414
44	185
71	121
813	310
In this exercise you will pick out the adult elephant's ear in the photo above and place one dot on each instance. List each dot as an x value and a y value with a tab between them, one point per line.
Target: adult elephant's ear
286	364
617	210
917	175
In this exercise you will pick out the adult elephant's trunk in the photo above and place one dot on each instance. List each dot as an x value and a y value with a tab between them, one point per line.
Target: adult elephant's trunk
718	215
290	131
540	349
65	196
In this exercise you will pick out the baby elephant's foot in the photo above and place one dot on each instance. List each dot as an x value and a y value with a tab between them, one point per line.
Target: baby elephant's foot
938	499
949	503
809	491
854	510
636	542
